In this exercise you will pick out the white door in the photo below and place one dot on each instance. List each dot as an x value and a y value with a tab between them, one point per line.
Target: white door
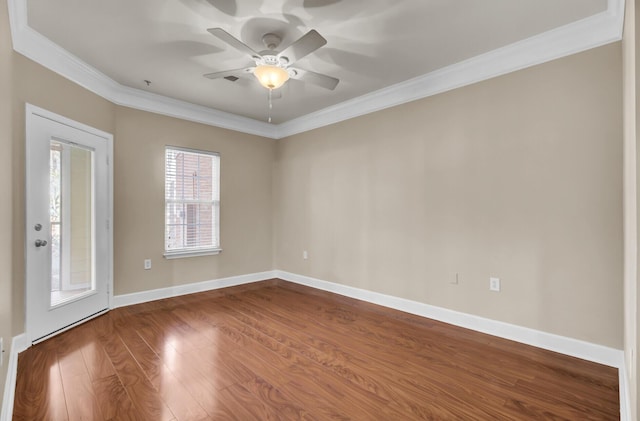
68	235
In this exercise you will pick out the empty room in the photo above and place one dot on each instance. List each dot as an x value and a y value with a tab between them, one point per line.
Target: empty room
319	209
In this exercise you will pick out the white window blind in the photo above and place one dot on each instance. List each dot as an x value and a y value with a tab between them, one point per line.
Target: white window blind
192	202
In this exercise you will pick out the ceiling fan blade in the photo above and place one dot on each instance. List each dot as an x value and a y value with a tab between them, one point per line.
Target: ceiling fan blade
234	72
233	41
318	79
306	44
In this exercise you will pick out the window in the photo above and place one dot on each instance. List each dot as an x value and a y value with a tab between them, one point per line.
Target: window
192	202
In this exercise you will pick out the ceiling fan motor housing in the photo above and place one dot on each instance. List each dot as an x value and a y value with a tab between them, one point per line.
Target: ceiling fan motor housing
269	58
271	41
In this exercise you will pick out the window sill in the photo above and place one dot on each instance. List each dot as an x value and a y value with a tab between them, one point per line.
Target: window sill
190	253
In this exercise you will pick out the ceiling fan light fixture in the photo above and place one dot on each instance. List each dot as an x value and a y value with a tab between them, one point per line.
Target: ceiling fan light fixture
271	77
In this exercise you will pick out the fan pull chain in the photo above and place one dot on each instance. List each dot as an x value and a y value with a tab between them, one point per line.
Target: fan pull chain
270	104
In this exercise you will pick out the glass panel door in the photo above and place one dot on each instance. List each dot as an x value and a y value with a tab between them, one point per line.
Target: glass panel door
68	235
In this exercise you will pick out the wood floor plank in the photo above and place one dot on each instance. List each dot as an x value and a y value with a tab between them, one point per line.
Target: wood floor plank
146	399
274	370
275	350
370	383
466	375
310	384
390	385
97	361
84	405
244	405
114	402
39	389
171	390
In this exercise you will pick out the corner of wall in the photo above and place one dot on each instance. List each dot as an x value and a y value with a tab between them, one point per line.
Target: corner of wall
631	95
6	188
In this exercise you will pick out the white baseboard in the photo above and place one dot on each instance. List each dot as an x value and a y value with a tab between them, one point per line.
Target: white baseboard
625	401
175	291
564	345
568	346
18	344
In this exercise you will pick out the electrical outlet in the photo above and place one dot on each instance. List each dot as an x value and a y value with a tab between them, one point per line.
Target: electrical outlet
147	264
494	284
305	255
455	279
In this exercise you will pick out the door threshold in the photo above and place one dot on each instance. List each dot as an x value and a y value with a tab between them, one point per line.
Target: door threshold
72	325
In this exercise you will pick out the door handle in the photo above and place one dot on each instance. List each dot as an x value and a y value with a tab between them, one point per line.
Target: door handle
41	243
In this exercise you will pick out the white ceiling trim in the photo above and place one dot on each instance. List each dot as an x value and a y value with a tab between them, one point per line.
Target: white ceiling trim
594	31
578	36
40	49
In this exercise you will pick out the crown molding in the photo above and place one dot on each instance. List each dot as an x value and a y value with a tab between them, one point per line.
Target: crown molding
40	49
591	32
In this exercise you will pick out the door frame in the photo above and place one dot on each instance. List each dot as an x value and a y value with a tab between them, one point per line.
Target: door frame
32	111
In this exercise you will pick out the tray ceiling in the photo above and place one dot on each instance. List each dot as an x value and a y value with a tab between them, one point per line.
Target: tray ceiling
372	46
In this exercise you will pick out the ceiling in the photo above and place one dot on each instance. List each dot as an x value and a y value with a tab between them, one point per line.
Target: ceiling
372	46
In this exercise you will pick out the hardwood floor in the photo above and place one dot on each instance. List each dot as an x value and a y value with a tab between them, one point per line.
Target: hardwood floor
276	350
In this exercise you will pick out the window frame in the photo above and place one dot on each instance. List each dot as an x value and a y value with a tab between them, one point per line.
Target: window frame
215	203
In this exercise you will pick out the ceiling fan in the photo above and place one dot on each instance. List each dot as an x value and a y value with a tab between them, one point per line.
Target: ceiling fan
272	68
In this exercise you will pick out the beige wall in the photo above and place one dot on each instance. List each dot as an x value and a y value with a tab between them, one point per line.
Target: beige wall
246	202
631	193
518	177
6	146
